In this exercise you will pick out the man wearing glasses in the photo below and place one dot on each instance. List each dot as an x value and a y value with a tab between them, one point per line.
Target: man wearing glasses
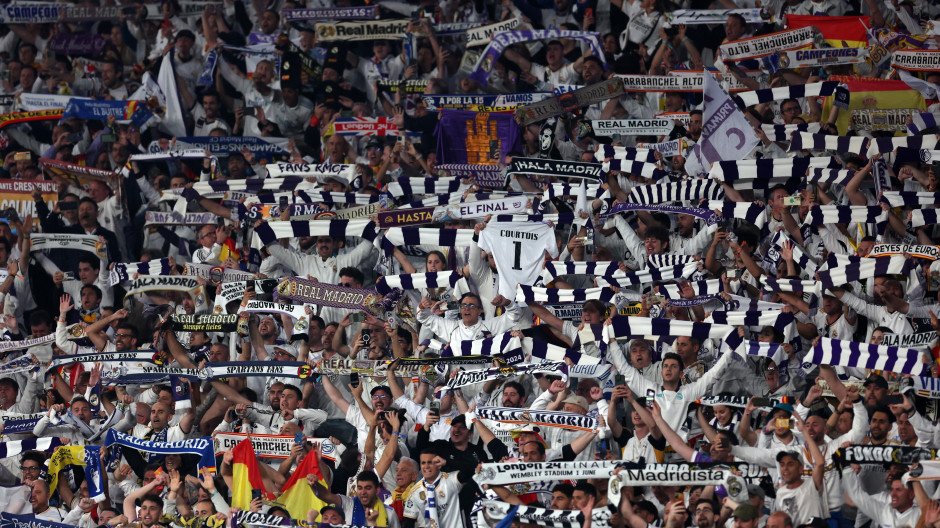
470	326
381	401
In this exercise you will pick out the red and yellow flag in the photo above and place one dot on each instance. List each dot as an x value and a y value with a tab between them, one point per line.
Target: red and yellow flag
297	496
839	31
246	476
875	99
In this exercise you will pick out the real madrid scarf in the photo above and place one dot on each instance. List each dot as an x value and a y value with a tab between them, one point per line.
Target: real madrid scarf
686	191
845	269
624	327
150	356
800	257
555	168
604	152
452	198
650	275
857	145
122	272
600	517
768	168
423	236
780	321
708	215
164	282
463	378
6	346
555	268
910	198
512	350
529	294
323	294
414	186
235	369
926	387
767	95
887	250
846	214
204	323
700	288
681	474
294	311
324	197
783	132
195	446
89	243
425	371
270	232
840	176
922	217
636	168
307	170
523	417
668	259
888	145
852	354
415	281
177	218
10	448
883	454
216	274
20	364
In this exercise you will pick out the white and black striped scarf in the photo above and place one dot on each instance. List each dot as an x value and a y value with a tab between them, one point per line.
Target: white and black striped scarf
783	132
847	214
922	217
269	232
857	145
329	198
685	191
910	198
604	152
624	327
819	89
414	281
550	518
701	288
555	190
839	176
767	168
889	144
125	271
668	259
638	168
800	258
452	198
779	320
747	211
844	269
555	268
651	275
774	351
415	186
514	415
428	236
529	294
853	354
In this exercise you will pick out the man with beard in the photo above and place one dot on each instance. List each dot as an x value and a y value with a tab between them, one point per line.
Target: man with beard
151	505
290	409
325	265
208	115
39	499
900	510
357	410
705	513
800	498
470	326
88	225
366	508
434	500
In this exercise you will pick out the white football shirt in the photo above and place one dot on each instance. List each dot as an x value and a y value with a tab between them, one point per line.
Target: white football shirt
519	251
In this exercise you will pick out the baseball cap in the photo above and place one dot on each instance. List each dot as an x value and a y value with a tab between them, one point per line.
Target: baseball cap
343	181
577	400
792	454
516	433
746	512
753	490
876	380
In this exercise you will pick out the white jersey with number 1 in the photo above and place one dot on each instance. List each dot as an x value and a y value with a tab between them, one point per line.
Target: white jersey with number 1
519	251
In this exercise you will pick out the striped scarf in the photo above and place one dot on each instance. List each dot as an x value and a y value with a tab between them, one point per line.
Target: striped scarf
852	354
638	168
820	89
554	268
844	269
650	275
783	132
270	232
922	121
661	261
413	186
774	351
556	190
125	271
415	281
922	217
452	198
747	211
329	198
768	168
857	145
624	327
705	287
11	448
910	198
427	236
847	214
686	191
529	294
889	144
800	258
604	152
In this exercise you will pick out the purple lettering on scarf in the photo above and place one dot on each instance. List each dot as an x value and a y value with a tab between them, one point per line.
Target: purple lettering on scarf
708	216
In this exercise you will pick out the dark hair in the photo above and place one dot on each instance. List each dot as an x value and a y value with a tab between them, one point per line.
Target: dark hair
585	487
294	389
515	385
659	233
93	288
333	507
90	260
249	394
564	488
676	357
352	273
440	255
35	456
728	436
695	112
710	501
11	381
648	507
152	498
592	58
596	305
124	325
406	335
319	320
382	388
748	233
539	446
475	296
368	476
39	317
739	17
882	409
6	244
87	199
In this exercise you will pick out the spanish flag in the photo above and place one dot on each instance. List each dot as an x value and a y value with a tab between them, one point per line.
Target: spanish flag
874	95
246	476
839	31
297	496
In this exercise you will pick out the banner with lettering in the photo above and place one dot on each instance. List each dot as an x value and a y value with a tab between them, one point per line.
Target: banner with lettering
18	194
477	138
224	145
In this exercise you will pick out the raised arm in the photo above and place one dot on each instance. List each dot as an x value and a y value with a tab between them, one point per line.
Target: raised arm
672	438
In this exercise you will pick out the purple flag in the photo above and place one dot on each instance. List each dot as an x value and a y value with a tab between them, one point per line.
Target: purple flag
726	133
478	138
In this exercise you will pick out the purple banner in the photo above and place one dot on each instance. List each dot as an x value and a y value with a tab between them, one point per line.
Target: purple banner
490	176
477	138
708	216
501	41
405	217
333	13
77	44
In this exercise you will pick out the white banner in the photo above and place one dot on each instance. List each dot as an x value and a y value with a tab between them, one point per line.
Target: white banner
926	252
921	340
505	206
482	35
271	446
305	170
667	148
888	119
633	127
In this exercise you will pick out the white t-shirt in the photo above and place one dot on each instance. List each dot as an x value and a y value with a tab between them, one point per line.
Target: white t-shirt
802	503
519	251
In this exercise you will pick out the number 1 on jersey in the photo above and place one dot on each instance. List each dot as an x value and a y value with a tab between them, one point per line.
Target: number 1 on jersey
517	262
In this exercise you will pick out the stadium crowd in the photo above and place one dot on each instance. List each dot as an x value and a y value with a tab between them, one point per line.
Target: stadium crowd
560	263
